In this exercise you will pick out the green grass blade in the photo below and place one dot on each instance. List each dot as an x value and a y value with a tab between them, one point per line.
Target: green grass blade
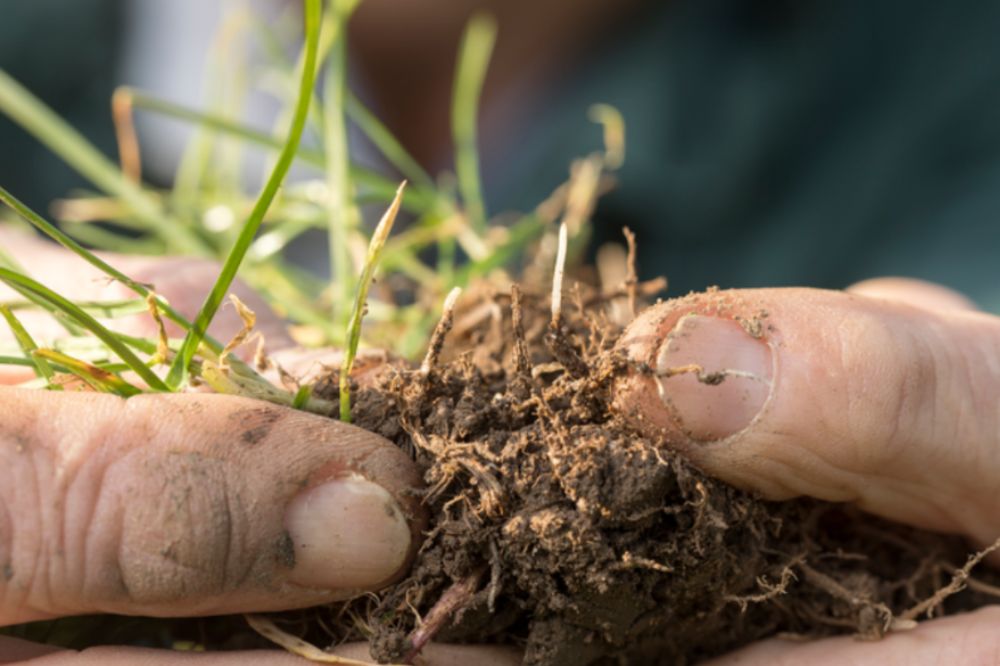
103	309
142	100
17	360
343	216
60	237
74	312
473	61
58	136
97	378
8	262
361	300
27	344
115	241
179	368
417	199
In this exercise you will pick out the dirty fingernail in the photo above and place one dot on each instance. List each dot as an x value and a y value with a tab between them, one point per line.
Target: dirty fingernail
714	376
348	533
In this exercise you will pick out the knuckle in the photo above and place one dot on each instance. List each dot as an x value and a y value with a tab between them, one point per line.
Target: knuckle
886	376
183	531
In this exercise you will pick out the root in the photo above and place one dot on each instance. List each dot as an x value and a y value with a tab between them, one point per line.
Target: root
454	599
770	590
879	618
958	582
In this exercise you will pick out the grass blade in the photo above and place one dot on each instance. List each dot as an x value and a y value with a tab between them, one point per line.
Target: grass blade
179	368
27	344
141	100
342	213
17	360
360	301
74	312
97	378
417	199
58	136
60	237
473	61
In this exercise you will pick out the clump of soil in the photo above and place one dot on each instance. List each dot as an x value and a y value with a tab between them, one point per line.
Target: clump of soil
558	527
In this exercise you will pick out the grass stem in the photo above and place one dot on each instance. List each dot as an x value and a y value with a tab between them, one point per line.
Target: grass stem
473	61
361	299
179	369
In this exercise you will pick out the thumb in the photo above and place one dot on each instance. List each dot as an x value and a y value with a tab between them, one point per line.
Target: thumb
842	397
191	504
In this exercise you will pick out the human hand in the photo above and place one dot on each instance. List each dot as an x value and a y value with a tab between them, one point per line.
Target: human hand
884	396
187	504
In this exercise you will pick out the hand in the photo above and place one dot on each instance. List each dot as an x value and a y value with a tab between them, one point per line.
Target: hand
187	504
885	396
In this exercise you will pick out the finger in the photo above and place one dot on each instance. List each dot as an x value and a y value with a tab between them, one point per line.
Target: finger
432	655
309	366
970	638
192	504
447	655
183	282
16	650
914	292
832	395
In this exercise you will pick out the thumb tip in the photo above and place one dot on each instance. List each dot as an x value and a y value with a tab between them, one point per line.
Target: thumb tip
701	377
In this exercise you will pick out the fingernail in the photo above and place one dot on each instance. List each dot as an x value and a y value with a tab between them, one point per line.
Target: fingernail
347	534
733	383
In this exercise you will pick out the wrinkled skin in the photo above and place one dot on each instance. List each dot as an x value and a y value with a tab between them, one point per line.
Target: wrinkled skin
884	396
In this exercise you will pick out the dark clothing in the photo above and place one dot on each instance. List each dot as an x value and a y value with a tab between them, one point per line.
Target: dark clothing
66	53
792	143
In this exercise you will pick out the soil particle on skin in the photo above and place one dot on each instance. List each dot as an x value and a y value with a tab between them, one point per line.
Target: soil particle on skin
561	529
285	550
255	423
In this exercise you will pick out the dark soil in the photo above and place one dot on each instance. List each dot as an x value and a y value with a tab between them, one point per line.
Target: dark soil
558	527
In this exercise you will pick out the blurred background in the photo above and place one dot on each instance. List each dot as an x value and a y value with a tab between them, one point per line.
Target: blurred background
769	142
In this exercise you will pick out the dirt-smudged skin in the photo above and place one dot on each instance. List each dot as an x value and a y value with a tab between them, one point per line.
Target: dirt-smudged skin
586	541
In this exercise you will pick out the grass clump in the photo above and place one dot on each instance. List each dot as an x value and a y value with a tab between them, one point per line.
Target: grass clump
449	243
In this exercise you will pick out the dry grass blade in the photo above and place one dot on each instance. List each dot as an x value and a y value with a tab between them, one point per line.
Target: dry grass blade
631	276
296	645
249	319
162	341
613	124
96	378
128	142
